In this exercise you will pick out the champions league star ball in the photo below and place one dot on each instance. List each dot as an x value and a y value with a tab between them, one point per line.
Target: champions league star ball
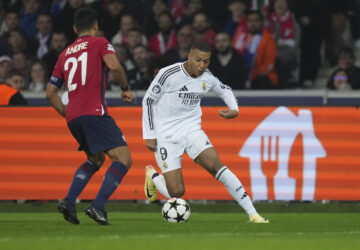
176	210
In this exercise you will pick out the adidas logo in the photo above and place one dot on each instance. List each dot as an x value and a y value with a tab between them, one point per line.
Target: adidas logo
244	195
184	89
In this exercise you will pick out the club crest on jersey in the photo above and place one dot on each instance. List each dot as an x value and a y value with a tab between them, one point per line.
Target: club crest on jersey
165	164
156	89
203	86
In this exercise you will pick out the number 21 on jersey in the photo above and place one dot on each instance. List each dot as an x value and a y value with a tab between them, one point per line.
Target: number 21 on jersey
74	65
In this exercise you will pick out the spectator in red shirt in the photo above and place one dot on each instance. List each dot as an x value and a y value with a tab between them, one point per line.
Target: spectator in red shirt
166	38
284	28
127	23
151	23
203	31
237	19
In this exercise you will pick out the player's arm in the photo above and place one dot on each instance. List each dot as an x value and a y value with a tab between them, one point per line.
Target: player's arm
119	76
225	92
54	99
151	98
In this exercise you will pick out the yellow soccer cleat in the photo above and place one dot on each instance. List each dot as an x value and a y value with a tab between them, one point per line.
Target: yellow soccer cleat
149	187
256	218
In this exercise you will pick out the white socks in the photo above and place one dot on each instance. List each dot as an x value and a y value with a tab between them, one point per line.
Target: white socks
236	189
160	184
226	177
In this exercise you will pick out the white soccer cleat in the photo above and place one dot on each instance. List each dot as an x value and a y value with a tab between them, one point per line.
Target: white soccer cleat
256	218
149	187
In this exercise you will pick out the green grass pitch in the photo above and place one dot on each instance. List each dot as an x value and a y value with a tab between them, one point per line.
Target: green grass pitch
212	226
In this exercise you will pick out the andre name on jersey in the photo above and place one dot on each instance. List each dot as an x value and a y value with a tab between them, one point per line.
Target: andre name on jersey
76	48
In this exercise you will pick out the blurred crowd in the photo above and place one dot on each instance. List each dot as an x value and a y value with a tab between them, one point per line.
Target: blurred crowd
257	44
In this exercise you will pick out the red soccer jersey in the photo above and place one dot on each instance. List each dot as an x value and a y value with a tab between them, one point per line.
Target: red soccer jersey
82	68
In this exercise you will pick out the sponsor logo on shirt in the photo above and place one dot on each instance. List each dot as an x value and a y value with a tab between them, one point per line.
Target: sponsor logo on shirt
190	99
110	48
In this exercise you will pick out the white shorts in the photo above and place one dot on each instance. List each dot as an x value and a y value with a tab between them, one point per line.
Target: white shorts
169	154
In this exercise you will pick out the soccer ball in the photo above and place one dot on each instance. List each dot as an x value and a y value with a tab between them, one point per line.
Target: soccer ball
176	210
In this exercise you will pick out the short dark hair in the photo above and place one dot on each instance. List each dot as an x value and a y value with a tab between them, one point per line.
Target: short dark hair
59	32
240	1
12	12
347	52
135	29
85	18
202	46
11	73
200	12
45	14
140	45
18	30
330	83
255	12
167	13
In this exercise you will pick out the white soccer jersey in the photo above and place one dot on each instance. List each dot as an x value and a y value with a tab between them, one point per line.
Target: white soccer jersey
171	105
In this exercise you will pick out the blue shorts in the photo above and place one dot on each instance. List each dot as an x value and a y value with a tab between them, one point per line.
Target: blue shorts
96	134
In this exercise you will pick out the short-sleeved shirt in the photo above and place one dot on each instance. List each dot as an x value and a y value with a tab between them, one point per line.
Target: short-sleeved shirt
82	68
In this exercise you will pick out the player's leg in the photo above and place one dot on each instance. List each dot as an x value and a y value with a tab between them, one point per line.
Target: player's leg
103	135
210	161
175	183
83	175
84	172
203	153
121	162
154	181
81	178
170	184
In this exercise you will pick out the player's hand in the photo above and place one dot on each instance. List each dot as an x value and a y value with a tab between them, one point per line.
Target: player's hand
228	113
127	96
151	144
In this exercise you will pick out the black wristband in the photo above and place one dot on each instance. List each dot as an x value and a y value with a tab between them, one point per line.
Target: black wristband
125	89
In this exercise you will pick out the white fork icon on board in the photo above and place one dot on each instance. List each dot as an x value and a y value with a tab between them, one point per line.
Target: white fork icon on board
270	158
269	147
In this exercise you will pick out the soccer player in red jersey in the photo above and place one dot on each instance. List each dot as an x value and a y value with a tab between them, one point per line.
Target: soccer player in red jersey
82	66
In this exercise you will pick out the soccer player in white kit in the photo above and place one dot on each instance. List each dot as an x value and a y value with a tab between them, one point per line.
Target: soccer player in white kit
172	126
